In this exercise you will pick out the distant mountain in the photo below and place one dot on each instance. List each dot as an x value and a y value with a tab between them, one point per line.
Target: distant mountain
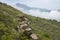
27	8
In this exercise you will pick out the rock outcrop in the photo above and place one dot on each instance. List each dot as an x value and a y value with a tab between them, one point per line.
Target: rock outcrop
24	27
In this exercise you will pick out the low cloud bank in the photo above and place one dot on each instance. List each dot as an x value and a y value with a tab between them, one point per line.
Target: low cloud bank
54	14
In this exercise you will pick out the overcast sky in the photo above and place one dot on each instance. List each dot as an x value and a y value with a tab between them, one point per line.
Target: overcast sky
48	4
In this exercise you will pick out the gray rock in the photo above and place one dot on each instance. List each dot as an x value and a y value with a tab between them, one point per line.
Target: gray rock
33	36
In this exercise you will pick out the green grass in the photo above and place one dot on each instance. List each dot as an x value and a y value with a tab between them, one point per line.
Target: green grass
45	29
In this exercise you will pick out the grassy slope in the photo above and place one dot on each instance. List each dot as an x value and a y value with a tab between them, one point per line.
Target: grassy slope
45	29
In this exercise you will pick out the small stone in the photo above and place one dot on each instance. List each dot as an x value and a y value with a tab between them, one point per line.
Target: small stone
33	36
28	29
26	19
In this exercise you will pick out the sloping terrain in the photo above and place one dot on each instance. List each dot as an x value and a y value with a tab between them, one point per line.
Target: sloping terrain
44	29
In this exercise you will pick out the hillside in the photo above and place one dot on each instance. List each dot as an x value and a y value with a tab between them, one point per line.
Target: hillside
43	28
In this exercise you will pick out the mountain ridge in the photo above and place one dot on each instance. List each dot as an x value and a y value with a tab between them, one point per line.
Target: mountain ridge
25	7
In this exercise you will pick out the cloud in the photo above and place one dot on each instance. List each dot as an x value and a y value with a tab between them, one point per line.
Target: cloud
49	4
54	14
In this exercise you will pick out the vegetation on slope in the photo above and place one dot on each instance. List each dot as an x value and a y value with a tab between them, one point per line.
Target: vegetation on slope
45	29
